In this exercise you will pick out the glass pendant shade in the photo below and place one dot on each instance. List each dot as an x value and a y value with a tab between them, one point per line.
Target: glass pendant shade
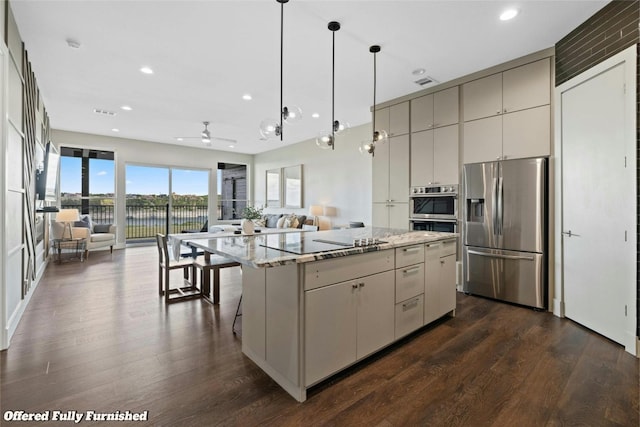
270	128
366	147
291	115
380	136
341	127
324	140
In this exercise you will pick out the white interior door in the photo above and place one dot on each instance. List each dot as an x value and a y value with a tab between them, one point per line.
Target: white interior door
598	206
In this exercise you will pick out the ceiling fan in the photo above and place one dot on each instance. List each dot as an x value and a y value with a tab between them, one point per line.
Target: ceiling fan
205	136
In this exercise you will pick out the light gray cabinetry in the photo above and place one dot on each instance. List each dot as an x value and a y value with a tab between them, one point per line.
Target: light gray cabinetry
346	322
393	119
434	156
440	280
409	296
391	183
507	115
435	110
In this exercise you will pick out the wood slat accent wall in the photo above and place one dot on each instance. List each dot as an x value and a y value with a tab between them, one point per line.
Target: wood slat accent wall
610	31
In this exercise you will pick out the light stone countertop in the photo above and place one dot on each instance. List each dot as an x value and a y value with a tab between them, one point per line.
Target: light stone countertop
257	250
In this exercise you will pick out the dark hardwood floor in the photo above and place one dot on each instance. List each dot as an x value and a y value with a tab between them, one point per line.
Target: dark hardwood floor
97	336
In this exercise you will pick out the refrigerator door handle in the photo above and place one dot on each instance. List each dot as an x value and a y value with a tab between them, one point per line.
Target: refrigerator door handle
500	211
518	257
494	202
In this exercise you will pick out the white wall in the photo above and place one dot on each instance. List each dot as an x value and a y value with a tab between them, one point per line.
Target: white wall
129	151
340	178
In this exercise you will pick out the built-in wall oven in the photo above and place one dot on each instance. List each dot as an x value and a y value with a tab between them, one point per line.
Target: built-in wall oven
434	208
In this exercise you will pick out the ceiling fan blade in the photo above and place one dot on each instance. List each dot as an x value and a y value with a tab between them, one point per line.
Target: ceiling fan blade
224	139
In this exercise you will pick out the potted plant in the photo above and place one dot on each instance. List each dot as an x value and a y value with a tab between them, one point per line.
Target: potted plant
249	214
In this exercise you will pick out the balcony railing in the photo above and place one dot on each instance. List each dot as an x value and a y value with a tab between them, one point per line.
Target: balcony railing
144	222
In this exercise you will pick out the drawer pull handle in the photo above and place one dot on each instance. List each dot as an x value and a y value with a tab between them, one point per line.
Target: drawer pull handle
409	305
409	250
411	270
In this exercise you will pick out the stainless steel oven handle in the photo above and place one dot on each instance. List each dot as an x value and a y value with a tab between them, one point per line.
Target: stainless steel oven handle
520	257
423	195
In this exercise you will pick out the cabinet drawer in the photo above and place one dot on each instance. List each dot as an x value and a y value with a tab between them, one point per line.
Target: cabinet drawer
409	315
448	248
335	270
409	281
409	255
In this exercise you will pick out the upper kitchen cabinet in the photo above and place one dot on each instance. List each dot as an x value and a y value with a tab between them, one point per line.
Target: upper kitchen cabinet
516	89
507	115
435	110
434	157
390	192
394	119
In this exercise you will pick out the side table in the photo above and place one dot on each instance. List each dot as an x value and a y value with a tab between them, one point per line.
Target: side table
69	248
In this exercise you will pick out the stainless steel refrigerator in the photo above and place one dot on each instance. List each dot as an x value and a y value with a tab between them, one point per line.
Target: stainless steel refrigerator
505	231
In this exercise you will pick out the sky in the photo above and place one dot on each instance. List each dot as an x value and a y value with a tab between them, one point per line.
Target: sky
139	179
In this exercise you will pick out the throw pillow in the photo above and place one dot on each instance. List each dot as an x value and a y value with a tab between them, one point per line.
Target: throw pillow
101	228
87	219
280	223
272	220
290	221
84	222
301	220
261	222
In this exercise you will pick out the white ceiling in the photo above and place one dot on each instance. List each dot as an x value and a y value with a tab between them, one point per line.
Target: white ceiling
206	54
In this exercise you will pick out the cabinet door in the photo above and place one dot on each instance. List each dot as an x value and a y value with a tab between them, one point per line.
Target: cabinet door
445	155
431	269
440	282
382	119
330	330
376	312
399	215
527	86
398	168
380	215
527	133
399	119
380	177
445	107
422	158
482	97
447	284
483	140
422	113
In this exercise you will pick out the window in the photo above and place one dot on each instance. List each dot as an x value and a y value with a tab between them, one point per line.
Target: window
87	182
232	190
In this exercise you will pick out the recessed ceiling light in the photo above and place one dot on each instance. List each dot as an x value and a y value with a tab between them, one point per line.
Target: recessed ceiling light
315	115
231	146
180	139
115	130
418	71
247	97
126	108
146	70
508	14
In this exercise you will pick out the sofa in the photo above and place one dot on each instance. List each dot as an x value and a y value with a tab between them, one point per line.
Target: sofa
283	221
97	235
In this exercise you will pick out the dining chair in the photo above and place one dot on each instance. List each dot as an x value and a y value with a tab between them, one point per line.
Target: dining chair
208	266
189	289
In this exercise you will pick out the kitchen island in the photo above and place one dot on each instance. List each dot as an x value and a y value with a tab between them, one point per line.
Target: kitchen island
315	303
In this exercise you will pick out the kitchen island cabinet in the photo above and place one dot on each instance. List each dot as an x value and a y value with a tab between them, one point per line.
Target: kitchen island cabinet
308	314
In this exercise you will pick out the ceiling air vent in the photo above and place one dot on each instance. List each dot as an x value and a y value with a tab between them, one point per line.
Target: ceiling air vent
105	112
426	80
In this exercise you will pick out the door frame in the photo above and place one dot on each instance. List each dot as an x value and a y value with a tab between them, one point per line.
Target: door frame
628	57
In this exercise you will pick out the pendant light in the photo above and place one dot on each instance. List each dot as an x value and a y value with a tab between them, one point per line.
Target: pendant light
271	128
327	140
379	136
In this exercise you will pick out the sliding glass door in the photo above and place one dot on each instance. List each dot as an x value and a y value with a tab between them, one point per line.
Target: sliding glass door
165	200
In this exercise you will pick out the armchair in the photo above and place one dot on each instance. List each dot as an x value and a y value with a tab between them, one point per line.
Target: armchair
97	235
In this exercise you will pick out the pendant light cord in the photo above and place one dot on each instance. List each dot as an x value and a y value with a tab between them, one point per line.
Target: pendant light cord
333	92
374	97
281	62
